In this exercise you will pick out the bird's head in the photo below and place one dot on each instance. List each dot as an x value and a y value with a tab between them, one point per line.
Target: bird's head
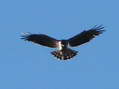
64	43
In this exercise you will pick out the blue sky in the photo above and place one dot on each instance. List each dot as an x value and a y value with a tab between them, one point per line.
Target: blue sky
25	65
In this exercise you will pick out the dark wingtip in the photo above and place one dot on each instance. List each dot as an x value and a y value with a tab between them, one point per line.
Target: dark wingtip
25	36
99	28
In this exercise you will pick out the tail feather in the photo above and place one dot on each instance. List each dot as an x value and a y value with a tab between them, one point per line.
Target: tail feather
64	54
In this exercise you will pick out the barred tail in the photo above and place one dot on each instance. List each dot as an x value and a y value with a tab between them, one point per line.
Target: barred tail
64	54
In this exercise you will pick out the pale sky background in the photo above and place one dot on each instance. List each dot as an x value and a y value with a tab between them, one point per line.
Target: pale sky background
24	65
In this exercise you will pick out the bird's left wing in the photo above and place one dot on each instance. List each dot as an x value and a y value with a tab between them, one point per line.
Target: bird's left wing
41	39
85	36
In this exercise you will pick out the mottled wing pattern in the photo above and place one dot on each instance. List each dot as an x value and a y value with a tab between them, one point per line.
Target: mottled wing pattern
41	39
85	36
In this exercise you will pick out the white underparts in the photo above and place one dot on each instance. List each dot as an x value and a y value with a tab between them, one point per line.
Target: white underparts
59	45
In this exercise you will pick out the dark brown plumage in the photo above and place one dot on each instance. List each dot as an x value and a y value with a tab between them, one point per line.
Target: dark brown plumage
64	52
85	36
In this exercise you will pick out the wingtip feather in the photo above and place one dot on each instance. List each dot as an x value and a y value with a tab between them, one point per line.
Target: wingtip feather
25	35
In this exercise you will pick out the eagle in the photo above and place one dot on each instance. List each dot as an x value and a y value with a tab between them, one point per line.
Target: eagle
64	51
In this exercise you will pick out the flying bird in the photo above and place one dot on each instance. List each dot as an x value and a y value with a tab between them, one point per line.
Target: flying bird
64	52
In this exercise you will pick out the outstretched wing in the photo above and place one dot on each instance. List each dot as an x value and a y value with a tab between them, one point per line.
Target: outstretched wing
85	36
41	39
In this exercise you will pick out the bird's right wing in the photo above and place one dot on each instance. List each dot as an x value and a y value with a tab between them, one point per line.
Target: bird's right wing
85	36
41	39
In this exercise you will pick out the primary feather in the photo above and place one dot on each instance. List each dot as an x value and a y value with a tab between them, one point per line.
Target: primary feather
85	36
41	39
